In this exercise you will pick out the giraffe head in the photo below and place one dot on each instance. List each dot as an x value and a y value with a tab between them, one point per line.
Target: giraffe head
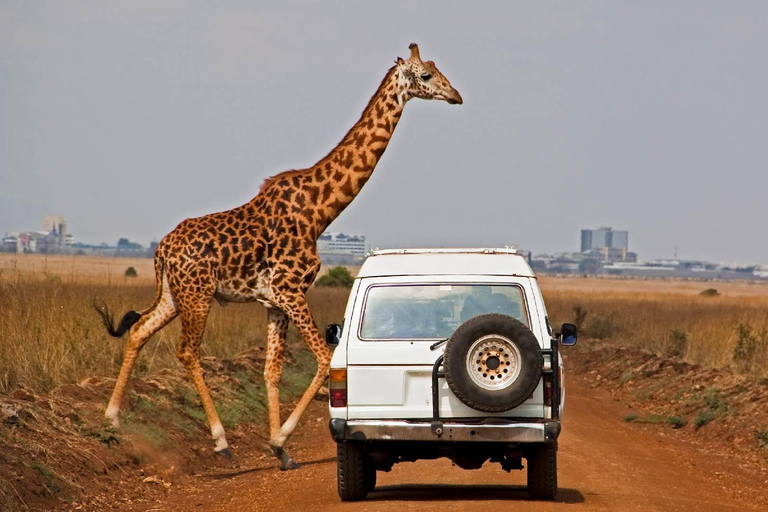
423	79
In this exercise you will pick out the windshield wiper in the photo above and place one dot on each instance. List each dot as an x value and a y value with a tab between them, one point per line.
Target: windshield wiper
436	344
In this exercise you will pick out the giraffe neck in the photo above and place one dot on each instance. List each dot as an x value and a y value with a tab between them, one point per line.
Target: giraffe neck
343	172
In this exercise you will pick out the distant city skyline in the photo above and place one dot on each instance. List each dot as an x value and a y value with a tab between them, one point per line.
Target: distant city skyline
127	117
330	242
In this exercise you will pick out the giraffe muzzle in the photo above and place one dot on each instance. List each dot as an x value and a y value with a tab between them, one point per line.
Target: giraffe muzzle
454	98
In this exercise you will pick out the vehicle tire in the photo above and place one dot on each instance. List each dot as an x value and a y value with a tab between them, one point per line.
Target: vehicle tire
542	471
492	362
370	477
353	471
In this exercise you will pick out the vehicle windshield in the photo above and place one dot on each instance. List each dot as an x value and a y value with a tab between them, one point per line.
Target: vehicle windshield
434	311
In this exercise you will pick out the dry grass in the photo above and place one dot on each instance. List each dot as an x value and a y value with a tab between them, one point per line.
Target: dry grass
49	335
674	319
74	269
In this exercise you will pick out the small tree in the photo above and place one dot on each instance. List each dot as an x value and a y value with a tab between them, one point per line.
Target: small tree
131	272
337	276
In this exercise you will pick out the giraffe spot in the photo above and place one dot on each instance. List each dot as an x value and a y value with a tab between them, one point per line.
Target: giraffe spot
327	191
346	188
313	192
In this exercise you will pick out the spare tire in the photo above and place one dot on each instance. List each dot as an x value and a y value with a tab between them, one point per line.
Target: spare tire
492	362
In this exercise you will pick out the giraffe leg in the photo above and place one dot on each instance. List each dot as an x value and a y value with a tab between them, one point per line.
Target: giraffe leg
148	324
188	352
273	368
297	310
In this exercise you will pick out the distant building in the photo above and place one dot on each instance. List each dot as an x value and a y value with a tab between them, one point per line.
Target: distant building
341	249
606	244
52	239
604	237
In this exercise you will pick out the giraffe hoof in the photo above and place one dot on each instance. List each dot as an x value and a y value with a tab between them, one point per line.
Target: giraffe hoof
286	462
289	464
226	453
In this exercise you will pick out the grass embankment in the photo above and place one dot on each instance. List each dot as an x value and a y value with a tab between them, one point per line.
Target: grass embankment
54	444
715	331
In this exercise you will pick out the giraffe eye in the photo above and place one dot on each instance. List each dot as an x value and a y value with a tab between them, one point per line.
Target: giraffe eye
426	76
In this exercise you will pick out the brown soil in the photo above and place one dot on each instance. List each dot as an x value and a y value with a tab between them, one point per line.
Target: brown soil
57	454
56	451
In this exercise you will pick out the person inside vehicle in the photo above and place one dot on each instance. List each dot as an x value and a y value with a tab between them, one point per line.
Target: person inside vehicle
477	302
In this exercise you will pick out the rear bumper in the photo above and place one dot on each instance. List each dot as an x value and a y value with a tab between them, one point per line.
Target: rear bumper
400	430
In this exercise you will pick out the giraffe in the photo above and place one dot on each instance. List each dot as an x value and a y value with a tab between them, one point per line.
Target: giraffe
266	251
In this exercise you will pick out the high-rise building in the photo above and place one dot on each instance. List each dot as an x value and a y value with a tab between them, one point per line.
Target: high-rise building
606	244
604	237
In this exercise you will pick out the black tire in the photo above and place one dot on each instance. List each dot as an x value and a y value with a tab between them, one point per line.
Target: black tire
353	475
370	476
463	385
542	471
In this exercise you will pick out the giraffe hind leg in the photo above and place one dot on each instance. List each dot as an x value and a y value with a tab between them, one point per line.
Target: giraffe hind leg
147	325
188	352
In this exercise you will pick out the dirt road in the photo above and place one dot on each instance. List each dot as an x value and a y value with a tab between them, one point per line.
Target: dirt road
604	464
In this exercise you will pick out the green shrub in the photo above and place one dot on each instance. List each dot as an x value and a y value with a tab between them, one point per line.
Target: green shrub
131	272
709	292
676	421
703	417
338	277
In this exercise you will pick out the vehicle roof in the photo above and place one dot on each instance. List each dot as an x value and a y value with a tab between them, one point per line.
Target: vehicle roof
471	261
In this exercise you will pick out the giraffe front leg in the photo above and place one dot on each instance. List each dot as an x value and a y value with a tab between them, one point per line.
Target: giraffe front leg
277	326
297	310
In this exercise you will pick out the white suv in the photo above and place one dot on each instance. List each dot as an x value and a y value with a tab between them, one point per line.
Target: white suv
446	353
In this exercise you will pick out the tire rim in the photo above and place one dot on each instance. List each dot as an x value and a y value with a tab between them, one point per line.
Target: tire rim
493	362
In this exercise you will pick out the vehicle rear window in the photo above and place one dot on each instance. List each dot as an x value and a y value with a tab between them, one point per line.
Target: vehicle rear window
433	311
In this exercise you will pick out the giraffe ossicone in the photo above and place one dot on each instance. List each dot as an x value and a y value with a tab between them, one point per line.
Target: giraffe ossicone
266	251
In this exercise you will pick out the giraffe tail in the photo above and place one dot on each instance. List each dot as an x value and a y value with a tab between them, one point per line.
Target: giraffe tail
131	317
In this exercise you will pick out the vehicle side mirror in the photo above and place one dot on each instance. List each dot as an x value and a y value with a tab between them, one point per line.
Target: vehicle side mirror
332	334
568	334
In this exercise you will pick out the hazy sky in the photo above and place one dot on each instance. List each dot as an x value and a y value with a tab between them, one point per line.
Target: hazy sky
127	117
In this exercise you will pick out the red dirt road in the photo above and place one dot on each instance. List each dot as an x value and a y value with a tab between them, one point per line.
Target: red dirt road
604	464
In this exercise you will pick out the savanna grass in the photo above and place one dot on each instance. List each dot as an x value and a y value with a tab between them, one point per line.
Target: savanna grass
712	330
50	334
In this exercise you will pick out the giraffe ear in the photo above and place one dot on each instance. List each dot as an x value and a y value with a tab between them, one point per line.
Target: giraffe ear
405	69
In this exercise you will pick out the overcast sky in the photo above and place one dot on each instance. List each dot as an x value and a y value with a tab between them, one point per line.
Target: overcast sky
127	117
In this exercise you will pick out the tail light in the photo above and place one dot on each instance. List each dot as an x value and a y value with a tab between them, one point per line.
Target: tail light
338	387
548	390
